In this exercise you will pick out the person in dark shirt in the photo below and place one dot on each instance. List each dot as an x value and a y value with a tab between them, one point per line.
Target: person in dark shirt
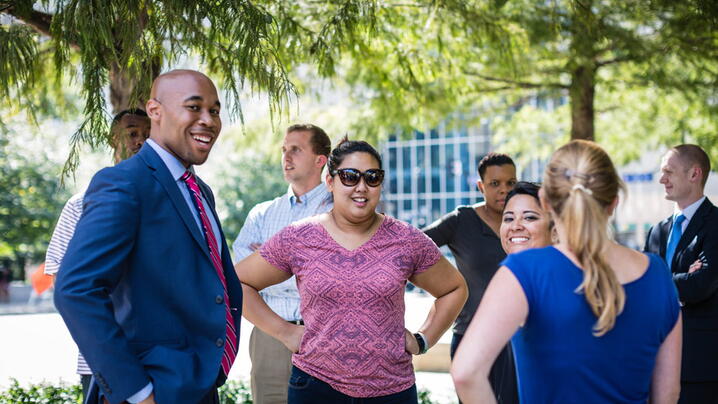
472	235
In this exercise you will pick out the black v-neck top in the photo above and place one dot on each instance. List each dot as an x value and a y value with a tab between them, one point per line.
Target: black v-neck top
477	250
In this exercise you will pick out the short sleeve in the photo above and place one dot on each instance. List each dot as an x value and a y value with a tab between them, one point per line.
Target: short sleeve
426	253
61	236
277	251
442	231
518	265
250	233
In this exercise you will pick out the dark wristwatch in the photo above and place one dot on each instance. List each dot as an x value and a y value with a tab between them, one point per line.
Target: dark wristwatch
421	340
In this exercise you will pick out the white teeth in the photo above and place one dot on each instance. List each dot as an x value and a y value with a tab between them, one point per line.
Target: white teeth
359	199
202	138
519	239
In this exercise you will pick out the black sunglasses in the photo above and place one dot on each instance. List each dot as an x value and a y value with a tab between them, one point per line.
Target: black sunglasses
351	176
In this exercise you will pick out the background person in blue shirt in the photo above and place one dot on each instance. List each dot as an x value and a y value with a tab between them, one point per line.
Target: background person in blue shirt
305	150
592	321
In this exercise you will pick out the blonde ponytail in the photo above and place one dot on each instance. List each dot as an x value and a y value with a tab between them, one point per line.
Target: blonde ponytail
580	183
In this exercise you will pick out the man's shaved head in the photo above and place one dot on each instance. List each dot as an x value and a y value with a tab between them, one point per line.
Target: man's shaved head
163	82
184	109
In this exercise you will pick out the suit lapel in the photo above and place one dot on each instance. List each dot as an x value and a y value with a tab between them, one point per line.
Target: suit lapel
665	231
162	175
694	225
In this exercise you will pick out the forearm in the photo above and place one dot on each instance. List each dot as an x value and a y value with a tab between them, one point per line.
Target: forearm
665	394
442	314
696	286
256	311
474	389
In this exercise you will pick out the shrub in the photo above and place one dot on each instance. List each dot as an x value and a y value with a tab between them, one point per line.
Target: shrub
233	392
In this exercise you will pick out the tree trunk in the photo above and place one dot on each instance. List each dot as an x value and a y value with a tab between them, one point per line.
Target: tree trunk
121	88
124	88
581	94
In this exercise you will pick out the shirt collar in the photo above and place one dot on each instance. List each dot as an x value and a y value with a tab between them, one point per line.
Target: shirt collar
306	198
690	210
176	168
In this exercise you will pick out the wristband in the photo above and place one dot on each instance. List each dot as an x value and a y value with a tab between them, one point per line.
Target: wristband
423	344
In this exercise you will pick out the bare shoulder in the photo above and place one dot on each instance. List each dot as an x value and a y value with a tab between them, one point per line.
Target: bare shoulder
628	263
321	218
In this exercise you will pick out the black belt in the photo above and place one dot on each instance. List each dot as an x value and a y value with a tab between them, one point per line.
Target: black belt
297	322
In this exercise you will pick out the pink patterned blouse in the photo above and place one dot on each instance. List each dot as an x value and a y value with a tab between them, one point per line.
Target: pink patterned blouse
353	303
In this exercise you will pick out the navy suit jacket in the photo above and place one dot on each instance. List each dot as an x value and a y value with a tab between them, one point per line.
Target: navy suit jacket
137	288
698	291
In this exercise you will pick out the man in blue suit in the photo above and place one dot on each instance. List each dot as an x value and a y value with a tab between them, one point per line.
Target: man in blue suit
147	287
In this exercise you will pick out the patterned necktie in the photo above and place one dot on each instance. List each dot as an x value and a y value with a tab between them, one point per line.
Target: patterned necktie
674	238
230	347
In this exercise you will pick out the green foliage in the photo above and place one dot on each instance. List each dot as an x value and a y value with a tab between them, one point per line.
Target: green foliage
42	393
413	63
410	64
98	43
30	202
232	392
235	392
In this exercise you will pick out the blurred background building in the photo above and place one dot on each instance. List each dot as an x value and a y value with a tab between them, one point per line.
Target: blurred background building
431	173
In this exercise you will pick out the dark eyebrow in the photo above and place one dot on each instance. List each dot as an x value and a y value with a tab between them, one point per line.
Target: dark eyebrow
198	98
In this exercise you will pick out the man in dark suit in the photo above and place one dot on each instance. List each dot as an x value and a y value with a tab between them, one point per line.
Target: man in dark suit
147	287
688	241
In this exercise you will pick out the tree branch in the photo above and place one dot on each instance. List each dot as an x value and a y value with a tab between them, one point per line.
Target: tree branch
516	83
607	62
38	20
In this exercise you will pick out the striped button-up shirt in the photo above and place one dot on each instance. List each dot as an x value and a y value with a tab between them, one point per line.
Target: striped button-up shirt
61	236
263	222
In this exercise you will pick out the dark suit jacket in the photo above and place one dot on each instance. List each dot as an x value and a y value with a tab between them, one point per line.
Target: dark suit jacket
137	288
698	291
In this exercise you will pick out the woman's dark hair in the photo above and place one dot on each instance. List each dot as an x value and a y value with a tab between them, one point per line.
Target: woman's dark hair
524	188
346	147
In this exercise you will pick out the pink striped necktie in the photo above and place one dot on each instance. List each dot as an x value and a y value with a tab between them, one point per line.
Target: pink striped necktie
230	346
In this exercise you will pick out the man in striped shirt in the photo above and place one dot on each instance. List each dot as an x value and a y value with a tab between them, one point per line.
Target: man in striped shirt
130	128
305	151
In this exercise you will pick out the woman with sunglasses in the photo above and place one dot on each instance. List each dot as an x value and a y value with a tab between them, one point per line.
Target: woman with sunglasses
352	265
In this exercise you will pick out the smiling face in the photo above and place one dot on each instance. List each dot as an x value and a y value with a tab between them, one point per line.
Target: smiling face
129	134
299	163
184	109
681	181
524	225
358	202
498	180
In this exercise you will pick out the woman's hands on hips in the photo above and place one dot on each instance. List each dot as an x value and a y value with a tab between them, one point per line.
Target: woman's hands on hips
293	337
410	344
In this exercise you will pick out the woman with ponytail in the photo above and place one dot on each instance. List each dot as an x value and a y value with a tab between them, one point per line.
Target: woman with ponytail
590	320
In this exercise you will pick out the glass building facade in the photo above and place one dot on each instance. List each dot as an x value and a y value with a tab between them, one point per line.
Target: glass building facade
429	174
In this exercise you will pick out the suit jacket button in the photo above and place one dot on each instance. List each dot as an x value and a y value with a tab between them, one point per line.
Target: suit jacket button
219	299
219	342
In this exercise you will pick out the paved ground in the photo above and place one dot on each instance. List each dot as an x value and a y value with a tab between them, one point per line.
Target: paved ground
37	347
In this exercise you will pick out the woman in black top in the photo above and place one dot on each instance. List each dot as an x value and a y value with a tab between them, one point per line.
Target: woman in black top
472	235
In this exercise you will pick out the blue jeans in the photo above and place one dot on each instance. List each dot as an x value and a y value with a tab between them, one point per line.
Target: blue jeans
307	389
